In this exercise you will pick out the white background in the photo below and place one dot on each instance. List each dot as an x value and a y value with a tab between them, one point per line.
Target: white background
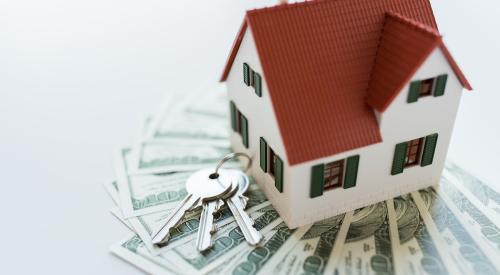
76	76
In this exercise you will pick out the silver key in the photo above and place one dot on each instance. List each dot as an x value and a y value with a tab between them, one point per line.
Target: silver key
206	228
237	204
200	187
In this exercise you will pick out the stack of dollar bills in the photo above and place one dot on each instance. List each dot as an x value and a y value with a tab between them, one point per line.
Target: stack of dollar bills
453	228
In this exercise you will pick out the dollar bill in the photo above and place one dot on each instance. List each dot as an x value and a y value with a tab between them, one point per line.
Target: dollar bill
368	245
415	252
142	194
117	213
211	100
111	188
201	117
165	157
228	241
485	232
147	225
465	254
310	254
132	250
478	192
252	260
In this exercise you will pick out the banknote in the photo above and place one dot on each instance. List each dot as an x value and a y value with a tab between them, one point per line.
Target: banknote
478	192
132	250
147	225
367	248
142	194
212	101
228	241
252	260
165	157
199	117
309	254
416	251
465	254
117	213
484	230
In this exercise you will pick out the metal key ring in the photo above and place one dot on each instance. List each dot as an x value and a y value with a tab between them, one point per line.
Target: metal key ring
232	156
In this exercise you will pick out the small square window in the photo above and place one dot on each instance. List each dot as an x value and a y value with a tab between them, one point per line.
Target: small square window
426	87
252	78
271	162
413	152
333	175
238	121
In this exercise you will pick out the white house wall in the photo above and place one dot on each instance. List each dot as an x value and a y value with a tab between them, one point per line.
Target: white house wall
402	121
261	123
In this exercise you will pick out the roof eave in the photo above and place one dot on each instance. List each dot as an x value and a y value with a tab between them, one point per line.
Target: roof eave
234	50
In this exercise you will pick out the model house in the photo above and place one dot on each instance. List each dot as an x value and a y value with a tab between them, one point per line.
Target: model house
342	103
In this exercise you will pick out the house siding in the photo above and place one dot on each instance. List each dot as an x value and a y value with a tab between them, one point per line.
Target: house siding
261	123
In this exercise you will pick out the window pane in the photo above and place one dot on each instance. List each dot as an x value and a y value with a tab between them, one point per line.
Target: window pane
333	174
413	152
426	87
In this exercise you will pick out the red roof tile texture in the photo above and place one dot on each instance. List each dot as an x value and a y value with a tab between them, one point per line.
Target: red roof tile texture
404	45
317	59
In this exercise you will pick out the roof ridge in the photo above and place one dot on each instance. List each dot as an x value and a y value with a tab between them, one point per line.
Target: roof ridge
368	86
412	23
285	6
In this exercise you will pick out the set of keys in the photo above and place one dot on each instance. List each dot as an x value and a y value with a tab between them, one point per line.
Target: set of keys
210	190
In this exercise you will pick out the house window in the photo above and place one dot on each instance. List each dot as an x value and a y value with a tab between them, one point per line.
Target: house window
434	86
413	150
333	174
271	162
252	79
239	123
426	87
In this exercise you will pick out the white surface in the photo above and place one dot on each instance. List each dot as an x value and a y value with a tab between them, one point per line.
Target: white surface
75	76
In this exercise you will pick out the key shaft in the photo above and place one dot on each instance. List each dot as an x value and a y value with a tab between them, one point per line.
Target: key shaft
206	228
174	218
244	221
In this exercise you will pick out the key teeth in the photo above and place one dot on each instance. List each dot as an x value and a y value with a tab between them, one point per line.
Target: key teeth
218	206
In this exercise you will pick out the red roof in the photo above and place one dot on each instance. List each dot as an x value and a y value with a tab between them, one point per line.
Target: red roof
317	59
396	62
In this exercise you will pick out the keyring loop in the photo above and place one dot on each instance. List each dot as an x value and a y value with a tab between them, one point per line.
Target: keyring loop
232	156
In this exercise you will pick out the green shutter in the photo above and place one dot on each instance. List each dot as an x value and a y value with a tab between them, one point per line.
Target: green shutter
244	130
351	172
429	149
263	154
246	74
440	85
258	84
232	108
317	180
398	163
414	91
278	174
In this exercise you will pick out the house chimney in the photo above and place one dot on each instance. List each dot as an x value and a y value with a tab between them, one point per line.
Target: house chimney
281	2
